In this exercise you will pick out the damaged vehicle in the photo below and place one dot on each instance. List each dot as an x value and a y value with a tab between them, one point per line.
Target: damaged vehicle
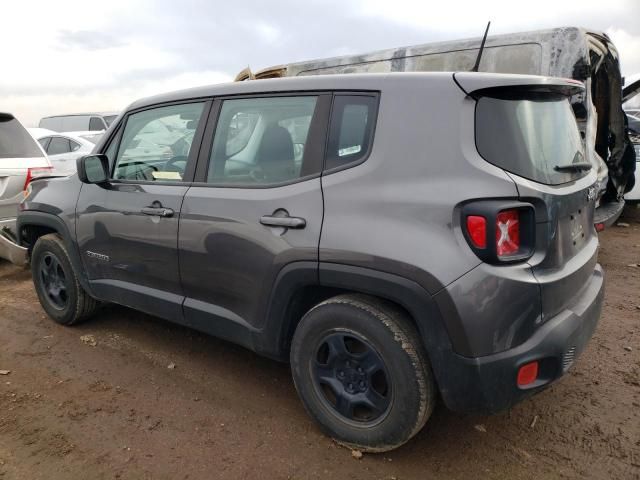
313	220
569	52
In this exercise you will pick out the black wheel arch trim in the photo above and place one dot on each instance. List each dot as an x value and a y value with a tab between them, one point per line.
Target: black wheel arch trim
272	339
42	219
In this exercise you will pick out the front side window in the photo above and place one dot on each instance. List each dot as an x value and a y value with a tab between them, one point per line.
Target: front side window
155	144
261	141
534	136
351	130
58	146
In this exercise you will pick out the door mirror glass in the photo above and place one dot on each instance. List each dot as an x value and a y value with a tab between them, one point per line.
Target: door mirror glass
93	168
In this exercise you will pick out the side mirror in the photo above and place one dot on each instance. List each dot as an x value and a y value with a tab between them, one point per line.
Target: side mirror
93	168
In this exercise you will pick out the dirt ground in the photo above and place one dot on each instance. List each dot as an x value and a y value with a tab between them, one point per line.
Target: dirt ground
74	409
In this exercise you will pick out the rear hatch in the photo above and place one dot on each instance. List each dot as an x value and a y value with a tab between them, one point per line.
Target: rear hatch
18	153
526	126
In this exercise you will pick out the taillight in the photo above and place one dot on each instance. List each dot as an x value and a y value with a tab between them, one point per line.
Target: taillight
507	232
477	228
499	231
35	172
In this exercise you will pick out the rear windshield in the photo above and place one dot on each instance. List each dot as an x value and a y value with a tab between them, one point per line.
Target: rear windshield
530	137
15	141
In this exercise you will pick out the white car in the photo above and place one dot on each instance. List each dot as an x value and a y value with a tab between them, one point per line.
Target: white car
64	149
21	160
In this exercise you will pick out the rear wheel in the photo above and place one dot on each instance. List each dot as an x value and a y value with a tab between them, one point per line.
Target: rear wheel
56	283
361	372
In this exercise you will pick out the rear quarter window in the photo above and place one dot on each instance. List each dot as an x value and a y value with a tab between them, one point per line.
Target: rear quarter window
351	130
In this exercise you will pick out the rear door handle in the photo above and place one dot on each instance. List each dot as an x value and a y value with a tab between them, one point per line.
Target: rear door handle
157	211
286	222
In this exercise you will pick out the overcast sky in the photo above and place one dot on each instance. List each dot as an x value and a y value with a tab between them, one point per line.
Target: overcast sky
67	56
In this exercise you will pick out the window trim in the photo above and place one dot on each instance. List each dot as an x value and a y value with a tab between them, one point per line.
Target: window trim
194	152
376	108
316	137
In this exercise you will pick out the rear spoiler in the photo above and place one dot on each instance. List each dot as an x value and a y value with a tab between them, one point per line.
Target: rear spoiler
631	91
477	85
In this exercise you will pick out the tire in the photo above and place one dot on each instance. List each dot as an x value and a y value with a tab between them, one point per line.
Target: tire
57	284
361	371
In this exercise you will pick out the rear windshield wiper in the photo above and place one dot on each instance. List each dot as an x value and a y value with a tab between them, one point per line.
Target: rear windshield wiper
573	167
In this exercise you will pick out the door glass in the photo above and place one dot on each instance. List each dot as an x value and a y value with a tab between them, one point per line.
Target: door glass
261	140
58	146
156	143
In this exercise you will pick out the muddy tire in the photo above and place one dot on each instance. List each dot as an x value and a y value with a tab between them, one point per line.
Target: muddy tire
57	284
361	371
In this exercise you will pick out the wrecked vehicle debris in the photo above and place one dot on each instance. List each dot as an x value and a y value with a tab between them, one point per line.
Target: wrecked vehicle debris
568	52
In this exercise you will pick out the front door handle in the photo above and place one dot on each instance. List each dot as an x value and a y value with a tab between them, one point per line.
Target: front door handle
283	221
158	211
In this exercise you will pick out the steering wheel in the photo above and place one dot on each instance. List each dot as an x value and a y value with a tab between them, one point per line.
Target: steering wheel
140	173
171	166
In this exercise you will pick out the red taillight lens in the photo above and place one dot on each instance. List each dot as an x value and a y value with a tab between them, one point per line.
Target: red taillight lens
527	374
477	229
35	173
507	232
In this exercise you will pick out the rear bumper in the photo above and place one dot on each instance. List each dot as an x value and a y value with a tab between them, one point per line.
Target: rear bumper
8	249
488	384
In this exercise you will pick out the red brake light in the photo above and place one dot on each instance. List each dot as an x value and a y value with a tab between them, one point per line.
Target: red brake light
35	172
507	232
477	229
527	374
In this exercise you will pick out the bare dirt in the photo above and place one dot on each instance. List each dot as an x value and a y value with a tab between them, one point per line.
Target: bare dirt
100	401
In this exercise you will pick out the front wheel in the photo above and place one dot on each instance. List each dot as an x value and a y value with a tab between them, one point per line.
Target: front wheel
361	371
57	284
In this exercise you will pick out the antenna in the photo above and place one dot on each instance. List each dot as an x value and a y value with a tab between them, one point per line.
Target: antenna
484	39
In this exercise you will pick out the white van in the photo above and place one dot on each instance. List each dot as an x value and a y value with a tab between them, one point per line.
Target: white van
93	122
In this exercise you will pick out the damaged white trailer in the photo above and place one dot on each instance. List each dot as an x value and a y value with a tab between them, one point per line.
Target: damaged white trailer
569	52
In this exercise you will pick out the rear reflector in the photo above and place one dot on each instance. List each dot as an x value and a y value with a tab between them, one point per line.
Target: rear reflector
477	229
527	374
507	232
599	227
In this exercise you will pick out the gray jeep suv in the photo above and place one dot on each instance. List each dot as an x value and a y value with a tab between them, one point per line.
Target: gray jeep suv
397	237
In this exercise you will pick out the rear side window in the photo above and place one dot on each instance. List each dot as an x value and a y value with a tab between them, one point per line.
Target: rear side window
533	137
351	132
58	145
15	141
262	141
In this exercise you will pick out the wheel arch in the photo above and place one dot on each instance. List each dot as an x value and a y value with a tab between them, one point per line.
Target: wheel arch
32	225
301	285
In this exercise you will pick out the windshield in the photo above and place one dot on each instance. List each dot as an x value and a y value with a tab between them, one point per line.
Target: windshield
15	141
535	137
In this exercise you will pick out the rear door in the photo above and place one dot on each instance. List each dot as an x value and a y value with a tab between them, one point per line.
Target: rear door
127	229
256	208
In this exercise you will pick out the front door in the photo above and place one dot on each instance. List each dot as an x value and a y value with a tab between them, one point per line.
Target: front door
128	229
256	208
